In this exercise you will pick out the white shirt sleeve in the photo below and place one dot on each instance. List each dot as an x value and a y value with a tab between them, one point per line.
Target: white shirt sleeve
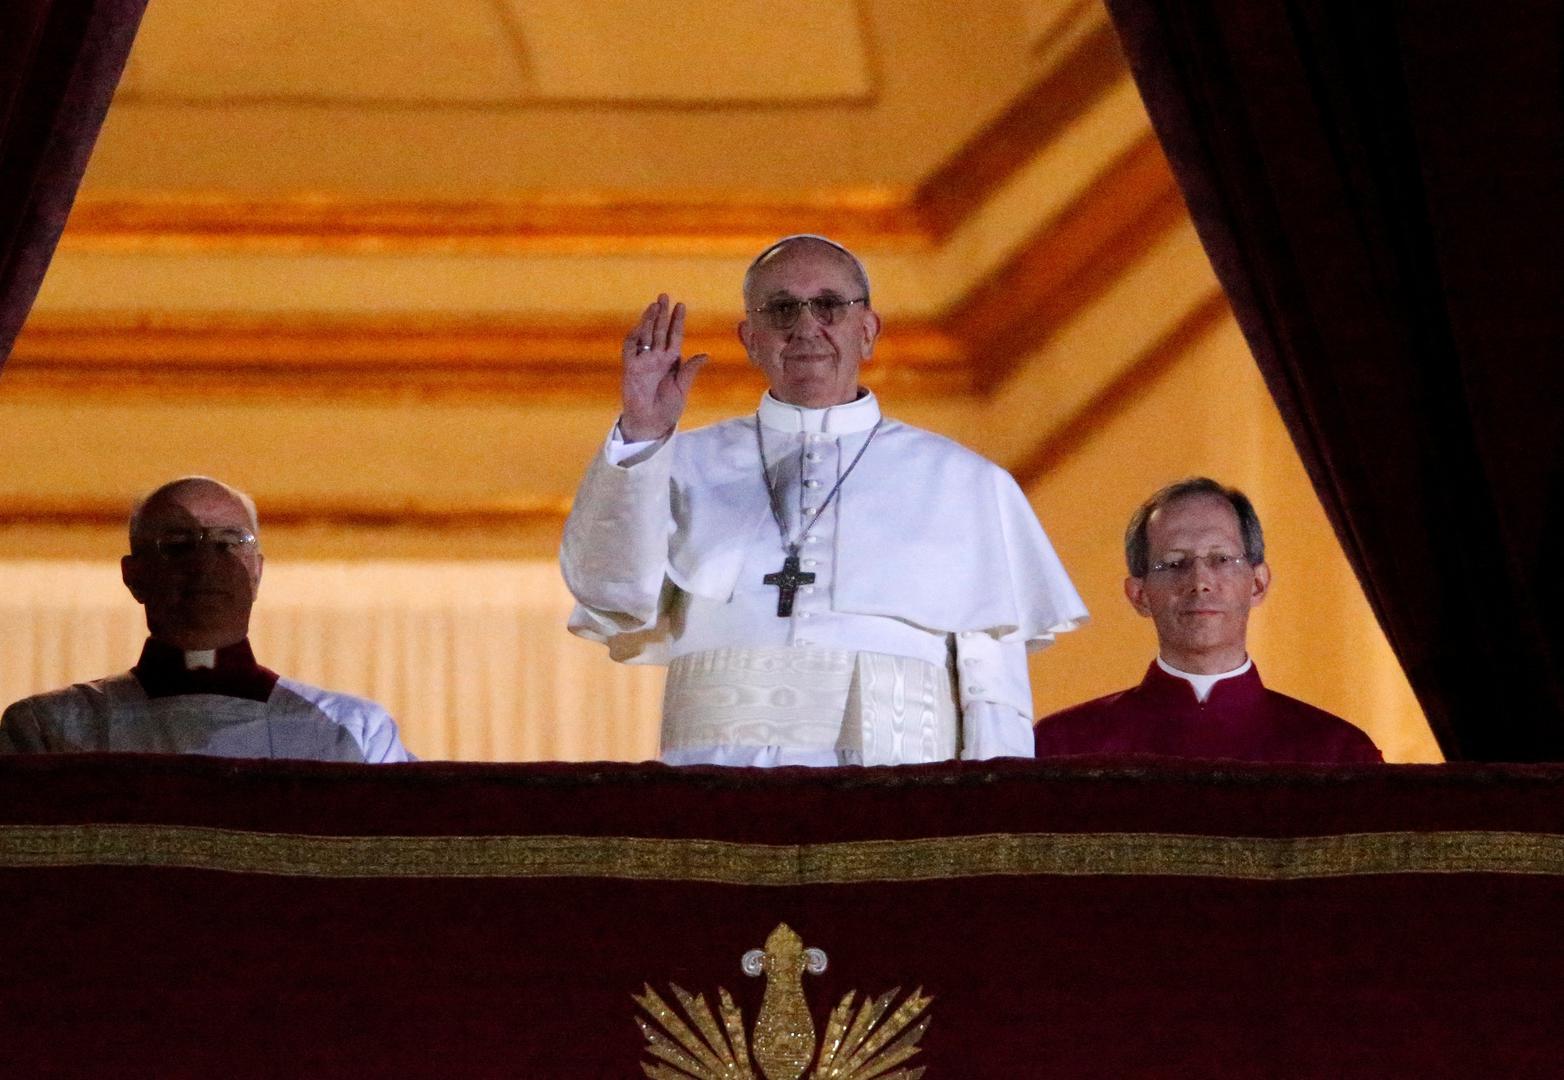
381	743
995	691
366	722
990	731
614	555
628	454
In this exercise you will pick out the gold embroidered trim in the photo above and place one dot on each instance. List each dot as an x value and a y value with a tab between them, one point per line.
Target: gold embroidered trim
855	862
783	1041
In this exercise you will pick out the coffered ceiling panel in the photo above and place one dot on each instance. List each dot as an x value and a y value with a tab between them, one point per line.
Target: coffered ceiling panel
473	98
230	51
735	50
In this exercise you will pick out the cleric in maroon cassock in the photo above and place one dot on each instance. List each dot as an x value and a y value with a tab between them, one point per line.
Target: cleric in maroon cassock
1241	720
1196	558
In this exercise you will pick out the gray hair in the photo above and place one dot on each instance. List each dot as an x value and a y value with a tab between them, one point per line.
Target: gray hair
860	275
172	486
1137	548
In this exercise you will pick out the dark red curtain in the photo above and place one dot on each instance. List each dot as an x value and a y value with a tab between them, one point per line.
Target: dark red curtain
1380	187
59	63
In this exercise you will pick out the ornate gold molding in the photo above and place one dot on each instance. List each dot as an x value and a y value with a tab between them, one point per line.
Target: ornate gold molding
1038	116
969	349
400	357
285	512
1135	382
578	222
607	222
1128	854
1068	262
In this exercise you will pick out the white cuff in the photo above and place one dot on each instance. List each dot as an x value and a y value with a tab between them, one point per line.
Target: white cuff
628	454
990	731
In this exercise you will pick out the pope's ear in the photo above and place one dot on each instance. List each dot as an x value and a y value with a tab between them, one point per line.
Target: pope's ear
871	332
1135	593
744	335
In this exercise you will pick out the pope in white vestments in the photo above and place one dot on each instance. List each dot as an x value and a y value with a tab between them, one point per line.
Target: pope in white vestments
827	585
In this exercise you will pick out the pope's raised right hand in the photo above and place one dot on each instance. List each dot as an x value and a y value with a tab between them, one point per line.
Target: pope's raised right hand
656	380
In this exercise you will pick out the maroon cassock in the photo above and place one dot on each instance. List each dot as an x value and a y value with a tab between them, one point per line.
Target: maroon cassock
1240	721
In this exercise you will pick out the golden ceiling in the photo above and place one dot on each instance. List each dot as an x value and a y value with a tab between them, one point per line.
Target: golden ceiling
437	220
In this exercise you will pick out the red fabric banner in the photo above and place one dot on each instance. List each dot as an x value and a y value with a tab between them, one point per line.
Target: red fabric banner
195	918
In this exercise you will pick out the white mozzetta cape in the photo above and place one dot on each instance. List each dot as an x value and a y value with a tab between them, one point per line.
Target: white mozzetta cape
927	532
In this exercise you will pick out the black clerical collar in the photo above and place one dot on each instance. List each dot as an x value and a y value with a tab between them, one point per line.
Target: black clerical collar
166	671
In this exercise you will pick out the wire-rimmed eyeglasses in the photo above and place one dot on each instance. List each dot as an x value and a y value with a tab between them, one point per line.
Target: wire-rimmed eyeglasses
783	314
1218	562
184	544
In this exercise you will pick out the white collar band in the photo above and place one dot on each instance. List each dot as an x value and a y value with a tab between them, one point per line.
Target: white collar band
858	415
1204	683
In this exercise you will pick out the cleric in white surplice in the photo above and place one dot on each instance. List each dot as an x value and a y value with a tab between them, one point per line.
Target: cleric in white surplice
827	585
195	566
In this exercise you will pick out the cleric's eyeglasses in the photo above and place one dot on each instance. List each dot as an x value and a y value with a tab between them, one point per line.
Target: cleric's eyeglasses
783	314
1218	562
186	544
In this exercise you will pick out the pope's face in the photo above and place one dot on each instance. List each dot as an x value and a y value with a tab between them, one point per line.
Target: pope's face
197	596
1201	613
809	363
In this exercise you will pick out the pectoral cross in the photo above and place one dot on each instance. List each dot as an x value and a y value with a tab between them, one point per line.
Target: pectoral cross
787	580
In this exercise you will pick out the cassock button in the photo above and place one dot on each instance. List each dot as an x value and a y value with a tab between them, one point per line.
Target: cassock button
810	562
809	509
813	455
808	589
802	641
811	483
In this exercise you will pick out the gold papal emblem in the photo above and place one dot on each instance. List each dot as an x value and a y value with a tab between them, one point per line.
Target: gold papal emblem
863	1044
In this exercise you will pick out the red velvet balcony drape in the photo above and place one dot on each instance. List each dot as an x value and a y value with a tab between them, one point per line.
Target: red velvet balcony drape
198	918
59	63
1378	186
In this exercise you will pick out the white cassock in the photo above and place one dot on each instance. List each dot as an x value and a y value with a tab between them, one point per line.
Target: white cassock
932	580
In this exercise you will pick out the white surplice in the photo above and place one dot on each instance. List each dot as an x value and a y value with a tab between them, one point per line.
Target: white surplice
928	552
297	721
